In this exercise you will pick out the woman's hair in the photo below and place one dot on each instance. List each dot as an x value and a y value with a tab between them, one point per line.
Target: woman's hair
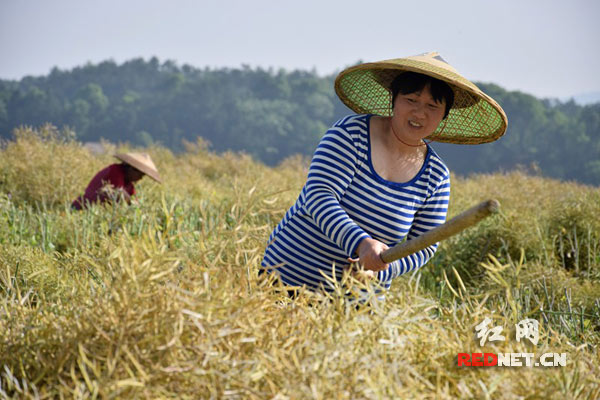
411	82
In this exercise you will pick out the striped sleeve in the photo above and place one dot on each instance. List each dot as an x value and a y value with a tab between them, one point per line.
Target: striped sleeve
331	170
431	214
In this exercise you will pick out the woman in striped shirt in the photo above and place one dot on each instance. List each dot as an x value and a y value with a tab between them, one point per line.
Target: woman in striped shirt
372	183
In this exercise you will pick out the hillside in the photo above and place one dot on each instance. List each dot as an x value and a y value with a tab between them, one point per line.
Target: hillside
273	115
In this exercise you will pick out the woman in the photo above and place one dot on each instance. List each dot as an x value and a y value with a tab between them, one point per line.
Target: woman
116	180
373	181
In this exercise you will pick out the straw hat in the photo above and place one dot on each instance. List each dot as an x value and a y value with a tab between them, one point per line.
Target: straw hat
142	162
473	119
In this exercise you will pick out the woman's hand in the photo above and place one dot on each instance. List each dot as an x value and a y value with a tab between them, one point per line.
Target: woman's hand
369	255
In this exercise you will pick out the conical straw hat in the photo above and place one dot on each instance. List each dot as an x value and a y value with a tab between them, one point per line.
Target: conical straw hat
473	119
142	162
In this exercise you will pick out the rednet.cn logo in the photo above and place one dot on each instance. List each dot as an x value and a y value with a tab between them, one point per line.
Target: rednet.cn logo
526	329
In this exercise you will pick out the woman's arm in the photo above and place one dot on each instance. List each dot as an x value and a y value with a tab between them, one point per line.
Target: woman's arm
431	214
110	193
331	170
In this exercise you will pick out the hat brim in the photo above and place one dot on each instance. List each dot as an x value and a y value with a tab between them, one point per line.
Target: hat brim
473	119
146	169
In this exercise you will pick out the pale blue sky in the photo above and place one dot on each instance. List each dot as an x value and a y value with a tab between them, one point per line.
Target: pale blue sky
549	48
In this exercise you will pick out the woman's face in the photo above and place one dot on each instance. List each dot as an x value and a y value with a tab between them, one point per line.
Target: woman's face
417	115
133	174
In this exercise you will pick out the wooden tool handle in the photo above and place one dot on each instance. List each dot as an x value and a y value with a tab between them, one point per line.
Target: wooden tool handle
461	222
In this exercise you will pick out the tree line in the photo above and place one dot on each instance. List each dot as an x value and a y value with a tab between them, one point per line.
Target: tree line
272	114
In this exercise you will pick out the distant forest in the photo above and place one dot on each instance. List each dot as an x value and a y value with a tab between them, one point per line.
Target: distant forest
274	114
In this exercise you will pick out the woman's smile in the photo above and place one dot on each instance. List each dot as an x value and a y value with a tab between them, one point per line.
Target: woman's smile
417	115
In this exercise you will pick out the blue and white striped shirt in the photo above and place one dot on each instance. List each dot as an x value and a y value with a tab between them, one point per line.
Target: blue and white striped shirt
344	201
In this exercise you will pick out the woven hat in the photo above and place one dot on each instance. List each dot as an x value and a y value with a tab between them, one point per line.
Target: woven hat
473	119
142	162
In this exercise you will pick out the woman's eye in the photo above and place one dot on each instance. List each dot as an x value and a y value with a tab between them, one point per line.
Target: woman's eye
410	100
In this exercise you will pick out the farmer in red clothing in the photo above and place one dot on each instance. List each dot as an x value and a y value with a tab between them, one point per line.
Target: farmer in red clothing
117	180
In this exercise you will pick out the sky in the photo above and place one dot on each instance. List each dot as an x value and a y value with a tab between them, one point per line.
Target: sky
547	48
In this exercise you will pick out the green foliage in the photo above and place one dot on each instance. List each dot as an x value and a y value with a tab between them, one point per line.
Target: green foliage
272	115
161	299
